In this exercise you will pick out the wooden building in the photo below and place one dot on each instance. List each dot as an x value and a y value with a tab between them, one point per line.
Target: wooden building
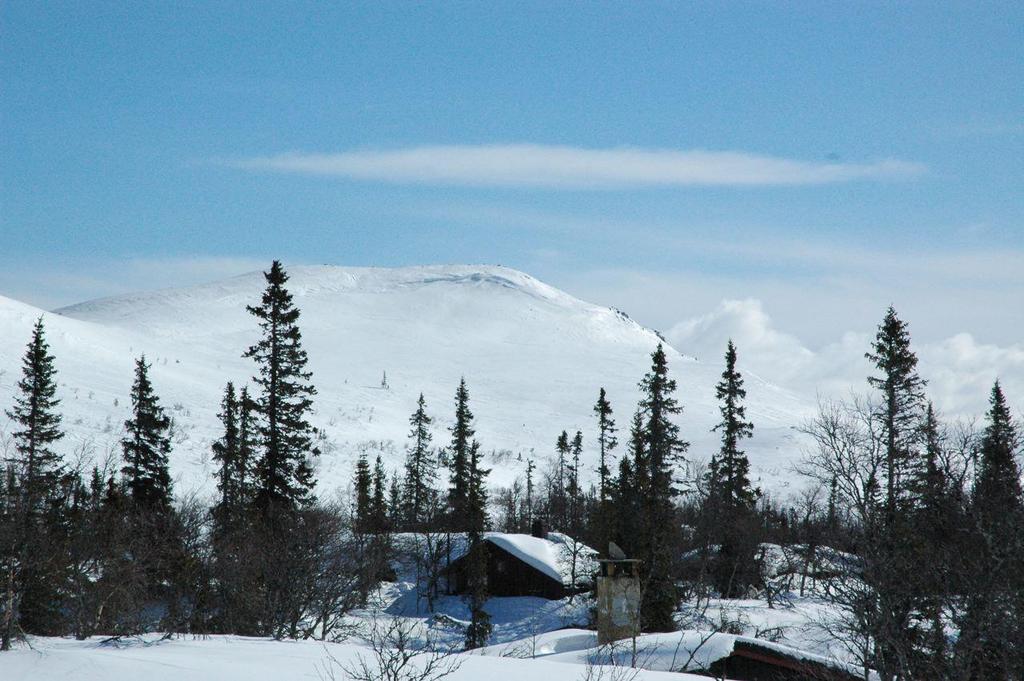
751	660
527	565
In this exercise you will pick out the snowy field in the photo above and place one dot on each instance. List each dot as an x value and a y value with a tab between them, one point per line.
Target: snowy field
232	658
557	655
533	356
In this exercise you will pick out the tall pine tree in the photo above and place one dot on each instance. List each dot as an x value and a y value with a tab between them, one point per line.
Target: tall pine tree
248	436
459	460
232	472
604	516
663	451
575	501
991	636
38	425
889	561
363	486
731	497
630	486
997	490
479	629
606	442
378	498
935	515
729	477
902	404
558	503
33	475
420	468
146	446
284	469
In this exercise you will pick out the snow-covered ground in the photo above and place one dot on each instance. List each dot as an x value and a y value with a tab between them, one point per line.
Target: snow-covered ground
533	357
534	639
232	658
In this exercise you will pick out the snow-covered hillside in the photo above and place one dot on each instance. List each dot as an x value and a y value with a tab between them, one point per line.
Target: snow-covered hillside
533	357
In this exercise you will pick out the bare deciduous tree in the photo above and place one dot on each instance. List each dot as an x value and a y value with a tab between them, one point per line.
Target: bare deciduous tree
396	654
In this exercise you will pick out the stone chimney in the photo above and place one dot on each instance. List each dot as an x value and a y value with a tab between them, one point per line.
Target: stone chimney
618	599
537	530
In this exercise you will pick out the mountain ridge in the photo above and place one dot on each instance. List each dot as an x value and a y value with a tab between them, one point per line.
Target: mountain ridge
534	358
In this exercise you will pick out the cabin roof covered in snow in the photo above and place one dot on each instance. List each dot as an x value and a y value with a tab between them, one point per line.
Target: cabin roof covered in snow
688	650
551	556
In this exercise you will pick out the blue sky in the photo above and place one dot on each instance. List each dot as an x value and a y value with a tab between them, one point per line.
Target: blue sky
874	154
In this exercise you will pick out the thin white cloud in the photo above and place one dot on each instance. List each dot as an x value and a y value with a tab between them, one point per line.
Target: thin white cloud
530	165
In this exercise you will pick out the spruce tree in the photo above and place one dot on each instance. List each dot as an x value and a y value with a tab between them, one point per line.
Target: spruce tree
146	446
663	450
233	536
991	636
935	519
363	484
479	629
902	404
575	501
32	490
284	476
730	481
420	467
395	516
889	567
38	426
248	435
997	490
231	474
630	485
530	468
378	498
558	504
606	442
459	459
604	516
731	497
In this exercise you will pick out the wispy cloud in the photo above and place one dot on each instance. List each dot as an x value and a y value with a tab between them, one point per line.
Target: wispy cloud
530	165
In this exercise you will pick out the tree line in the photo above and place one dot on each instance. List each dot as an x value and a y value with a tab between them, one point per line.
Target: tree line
113	551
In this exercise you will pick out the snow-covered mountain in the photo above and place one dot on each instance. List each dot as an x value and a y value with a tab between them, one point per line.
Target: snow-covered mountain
533	357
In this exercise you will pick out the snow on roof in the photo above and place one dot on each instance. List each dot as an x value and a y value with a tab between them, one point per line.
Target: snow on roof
534	551
675	651
552	556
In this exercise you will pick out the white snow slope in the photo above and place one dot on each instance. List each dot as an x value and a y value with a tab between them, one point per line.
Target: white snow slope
533	357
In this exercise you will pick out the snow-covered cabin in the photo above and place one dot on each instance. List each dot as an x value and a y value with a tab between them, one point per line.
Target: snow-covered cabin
552	566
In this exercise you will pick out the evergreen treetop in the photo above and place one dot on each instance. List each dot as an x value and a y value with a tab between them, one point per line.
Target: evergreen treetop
662	449
226	451
378	498
663	446
606	442
284	472
459	455
729	474
997	490
146	445
38	423
363	484
903	400
420	466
